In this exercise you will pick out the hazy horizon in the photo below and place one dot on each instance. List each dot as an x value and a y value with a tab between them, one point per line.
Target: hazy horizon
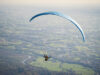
52	3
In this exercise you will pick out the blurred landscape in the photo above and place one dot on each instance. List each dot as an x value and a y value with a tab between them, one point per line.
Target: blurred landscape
23	43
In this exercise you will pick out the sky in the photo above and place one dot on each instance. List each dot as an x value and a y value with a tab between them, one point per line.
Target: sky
51	2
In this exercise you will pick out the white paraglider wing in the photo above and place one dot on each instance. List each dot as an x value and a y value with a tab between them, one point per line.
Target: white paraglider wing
63	16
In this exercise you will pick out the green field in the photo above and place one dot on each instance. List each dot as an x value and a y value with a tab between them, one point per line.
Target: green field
64	67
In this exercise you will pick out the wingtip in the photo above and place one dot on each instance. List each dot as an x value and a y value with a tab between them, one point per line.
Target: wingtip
30	20
83	40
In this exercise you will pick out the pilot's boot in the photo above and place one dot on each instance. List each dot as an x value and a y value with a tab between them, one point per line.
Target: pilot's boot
46	59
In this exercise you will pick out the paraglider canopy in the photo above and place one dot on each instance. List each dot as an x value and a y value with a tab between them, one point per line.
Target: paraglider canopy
63	16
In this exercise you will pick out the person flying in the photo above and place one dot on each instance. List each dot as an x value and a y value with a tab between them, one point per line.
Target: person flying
46	57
